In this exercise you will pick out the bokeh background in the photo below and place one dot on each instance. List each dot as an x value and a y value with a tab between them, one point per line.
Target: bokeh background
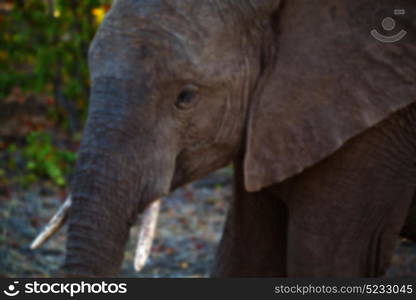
44	87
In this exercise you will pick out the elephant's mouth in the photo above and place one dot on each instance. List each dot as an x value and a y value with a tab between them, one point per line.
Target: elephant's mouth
145	238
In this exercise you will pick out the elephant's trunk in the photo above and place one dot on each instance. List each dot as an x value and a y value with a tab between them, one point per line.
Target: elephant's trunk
100	218
117	175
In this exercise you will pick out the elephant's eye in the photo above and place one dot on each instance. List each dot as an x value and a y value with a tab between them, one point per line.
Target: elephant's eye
187	96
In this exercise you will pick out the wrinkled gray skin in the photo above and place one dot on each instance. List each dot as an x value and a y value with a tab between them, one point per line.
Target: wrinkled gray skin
141	139
181	88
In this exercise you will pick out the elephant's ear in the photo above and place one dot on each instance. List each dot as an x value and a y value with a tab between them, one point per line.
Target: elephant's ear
331	80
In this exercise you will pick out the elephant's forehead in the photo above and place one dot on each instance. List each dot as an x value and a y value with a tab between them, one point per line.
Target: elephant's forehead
181	17
189	40
159	8
142	7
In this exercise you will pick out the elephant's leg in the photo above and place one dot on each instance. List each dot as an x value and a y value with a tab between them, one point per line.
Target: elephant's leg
254	238
409	228
346	213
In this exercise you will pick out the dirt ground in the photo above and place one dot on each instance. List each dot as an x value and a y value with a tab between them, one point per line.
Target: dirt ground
189	229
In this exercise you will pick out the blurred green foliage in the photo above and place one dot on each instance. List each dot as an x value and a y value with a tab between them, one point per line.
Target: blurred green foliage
43	51
42	159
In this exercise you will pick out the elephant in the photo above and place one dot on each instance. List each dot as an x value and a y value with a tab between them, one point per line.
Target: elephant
316	115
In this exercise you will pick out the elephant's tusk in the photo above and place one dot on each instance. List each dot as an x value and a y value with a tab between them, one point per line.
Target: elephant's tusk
57	221
146	234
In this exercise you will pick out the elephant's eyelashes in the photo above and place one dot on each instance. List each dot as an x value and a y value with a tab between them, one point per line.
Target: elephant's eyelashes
187	96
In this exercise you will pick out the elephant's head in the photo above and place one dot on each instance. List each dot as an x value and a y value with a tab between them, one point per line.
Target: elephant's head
171	83
179	87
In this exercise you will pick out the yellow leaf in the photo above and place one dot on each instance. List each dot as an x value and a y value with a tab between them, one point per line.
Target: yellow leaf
99	14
